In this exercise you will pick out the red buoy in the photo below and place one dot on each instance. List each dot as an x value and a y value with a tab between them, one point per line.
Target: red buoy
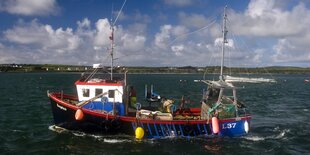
215	125
79	115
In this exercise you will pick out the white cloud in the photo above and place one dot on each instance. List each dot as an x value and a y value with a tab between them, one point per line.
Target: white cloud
169	35
284	33
144	18
259	8
84	24
138	28
219	41
177	49
43	36
288	29
29	7
179	30
103	31
163	37
258	56
263	18
136	16
8	55
133	42
179	3
286	51
41	43
38	43
193	20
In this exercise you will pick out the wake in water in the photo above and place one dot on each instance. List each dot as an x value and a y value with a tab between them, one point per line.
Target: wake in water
57	129
121	138
281	135
277	134
103	138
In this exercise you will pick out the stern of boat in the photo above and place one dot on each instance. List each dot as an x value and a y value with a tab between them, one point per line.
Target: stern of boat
235	128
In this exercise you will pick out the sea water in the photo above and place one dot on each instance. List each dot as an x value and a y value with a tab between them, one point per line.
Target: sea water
280	117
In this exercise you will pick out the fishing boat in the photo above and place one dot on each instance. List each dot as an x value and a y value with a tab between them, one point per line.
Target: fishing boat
108	105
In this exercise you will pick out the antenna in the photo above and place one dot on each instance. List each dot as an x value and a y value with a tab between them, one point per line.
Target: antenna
112	48
111	37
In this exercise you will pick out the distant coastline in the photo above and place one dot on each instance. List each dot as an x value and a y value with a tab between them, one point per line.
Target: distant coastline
149	70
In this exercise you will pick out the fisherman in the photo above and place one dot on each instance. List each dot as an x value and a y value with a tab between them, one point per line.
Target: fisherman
167	103
132	97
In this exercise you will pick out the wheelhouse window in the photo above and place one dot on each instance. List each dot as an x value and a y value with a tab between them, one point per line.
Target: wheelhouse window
98	91
111	93
85	92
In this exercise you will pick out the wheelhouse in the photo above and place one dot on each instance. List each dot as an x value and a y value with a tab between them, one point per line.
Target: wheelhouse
102	95
91	88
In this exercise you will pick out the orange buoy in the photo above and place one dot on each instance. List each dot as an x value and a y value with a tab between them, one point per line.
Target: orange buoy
215	125
79	115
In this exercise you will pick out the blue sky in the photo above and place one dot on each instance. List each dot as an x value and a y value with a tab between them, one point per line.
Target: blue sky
155	32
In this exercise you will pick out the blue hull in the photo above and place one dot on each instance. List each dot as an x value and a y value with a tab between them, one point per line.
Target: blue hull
234	128
64	116
164	130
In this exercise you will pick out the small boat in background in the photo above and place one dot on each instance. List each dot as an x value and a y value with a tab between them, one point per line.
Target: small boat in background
307	80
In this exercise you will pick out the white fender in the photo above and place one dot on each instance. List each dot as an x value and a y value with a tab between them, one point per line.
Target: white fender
246	126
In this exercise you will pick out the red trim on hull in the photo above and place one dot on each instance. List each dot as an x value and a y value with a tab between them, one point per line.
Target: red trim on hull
56	97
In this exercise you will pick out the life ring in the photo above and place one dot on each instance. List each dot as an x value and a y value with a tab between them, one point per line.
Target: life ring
104	99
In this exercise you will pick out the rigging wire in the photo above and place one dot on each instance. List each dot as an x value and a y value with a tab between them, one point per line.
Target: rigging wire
119	12
186	34
249	49
189	33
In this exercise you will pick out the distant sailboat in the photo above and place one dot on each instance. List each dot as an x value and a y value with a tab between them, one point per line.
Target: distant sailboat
235	79
248	80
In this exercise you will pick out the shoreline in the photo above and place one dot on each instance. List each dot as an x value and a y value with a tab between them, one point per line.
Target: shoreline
47	68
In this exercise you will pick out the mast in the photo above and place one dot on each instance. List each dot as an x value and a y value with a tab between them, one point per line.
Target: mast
112	36
224	32
112	48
